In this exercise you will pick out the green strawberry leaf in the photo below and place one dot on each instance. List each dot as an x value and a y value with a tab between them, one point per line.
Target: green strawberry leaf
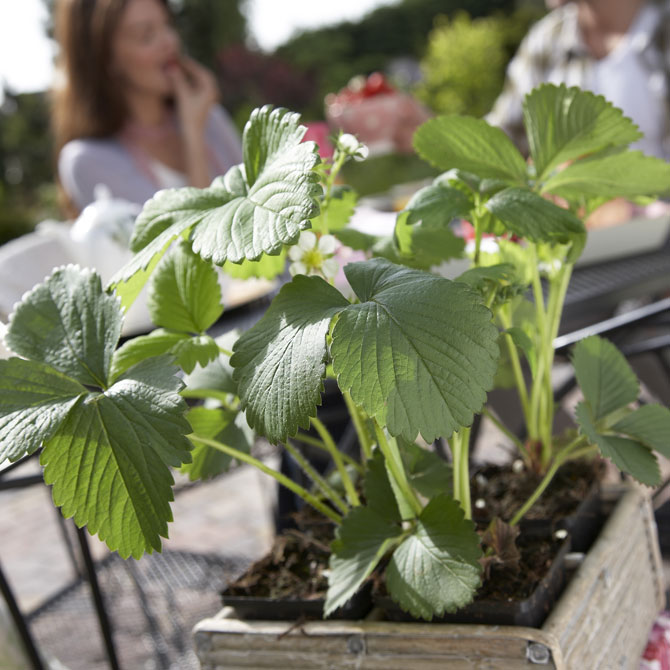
184	294
109	461
361	542
628	455
466	182
267	267
522	340
254	209
168	215
422	247
198	350
34	400
214	380
379	496
128	290
565	123
528	215
188	351
500	282
340	211
436	568
649	424
218	424
138	349
605	377
428	474
357	240
69	323
482	276
107	453
622	175
436	205
418	353
280	362
470	145
379	246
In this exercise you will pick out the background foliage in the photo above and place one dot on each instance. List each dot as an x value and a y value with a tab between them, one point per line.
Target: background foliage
339	52
464	64
27	191
458	50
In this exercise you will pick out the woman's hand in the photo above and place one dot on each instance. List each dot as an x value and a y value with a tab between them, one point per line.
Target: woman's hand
195	93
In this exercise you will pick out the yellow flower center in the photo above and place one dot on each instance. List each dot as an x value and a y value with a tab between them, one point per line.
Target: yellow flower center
313	259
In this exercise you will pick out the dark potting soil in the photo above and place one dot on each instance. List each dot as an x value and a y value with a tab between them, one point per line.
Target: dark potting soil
505	491
296	566
511	584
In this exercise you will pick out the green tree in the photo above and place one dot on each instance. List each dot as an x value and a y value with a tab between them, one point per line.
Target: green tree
206	26
27	191
464	65
335	54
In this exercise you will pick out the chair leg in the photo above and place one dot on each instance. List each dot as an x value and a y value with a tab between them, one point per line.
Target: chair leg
98	600
20	623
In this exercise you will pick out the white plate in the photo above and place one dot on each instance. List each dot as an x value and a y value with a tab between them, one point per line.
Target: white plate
637	236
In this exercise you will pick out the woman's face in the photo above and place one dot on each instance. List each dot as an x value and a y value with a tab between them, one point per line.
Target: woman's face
144	47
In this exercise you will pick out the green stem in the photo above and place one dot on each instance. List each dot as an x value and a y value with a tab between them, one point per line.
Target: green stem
330	182
519	379
335	454
314	442
454	473
546	419
325	487
359	425
278	476
584	451
507	432
565	454
541	322
394	462
225	352
557	290
535	400
491	299
537	493
478	244
460	453
477	224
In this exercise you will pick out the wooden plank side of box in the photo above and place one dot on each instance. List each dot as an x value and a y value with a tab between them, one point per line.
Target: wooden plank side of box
605	614
366	645
601	621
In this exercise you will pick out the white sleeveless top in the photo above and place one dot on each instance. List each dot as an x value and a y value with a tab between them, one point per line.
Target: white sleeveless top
167	177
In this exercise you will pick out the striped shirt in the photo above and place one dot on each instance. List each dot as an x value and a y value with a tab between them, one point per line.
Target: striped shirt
635	76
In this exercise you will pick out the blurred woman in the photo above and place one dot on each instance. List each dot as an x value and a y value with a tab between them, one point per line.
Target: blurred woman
130	111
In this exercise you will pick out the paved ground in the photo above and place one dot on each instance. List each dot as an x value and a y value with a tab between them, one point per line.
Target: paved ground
228	517
231	515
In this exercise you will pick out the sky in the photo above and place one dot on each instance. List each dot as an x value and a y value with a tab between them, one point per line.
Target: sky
26	55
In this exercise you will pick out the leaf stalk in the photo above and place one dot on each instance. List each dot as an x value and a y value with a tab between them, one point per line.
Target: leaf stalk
278	476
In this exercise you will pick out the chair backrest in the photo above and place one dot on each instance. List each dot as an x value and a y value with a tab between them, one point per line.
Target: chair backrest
27	260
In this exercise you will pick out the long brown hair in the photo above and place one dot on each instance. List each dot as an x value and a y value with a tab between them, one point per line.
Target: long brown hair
85	101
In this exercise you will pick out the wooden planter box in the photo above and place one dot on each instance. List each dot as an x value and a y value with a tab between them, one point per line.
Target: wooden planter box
602	620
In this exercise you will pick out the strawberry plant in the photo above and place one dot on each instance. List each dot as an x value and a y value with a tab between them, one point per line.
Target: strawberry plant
413	353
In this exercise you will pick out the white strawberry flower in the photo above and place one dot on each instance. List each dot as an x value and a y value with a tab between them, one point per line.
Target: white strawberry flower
314	256
350	145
